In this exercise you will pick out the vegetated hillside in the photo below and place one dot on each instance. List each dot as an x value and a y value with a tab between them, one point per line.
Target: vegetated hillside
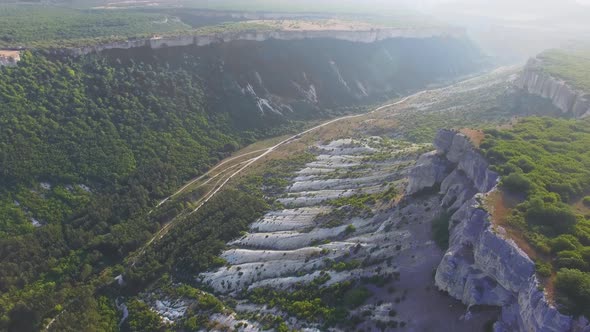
107	140
571	66
380	7
547	163
88	144
55	27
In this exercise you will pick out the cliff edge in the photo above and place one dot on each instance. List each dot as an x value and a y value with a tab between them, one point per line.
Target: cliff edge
482	266
563	95
357	36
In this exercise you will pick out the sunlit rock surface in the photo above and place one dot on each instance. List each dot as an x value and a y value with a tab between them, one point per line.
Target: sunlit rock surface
357	36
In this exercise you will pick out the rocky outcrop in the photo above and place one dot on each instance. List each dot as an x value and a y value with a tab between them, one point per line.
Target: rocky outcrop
430	170
357	36
564	96
482	266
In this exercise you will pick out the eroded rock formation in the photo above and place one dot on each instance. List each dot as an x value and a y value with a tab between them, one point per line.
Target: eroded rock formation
563	95
482	266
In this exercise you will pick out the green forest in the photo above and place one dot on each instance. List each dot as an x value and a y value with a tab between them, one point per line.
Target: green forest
56	27
47	26
545	163
87	147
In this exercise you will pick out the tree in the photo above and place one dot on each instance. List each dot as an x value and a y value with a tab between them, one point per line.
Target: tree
517	183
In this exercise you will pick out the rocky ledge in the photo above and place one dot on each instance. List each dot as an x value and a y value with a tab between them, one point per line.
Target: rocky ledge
565	97
357	36
482	266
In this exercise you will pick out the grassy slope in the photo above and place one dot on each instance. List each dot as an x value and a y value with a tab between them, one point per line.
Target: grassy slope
573	67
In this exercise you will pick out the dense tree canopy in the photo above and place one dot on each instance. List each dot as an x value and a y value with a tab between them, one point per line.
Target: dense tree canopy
546	162
87	146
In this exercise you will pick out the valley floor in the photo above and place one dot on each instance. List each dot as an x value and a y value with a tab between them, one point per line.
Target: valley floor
391	242
344	214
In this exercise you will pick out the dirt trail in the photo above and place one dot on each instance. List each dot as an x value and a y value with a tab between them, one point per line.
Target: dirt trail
265	152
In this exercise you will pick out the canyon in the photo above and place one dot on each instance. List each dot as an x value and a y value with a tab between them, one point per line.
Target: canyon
310	236
193	170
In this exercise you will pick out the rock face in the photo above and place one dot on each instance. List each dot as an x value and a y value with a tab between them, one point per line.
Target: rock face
361	36
564	96
482	266
263	84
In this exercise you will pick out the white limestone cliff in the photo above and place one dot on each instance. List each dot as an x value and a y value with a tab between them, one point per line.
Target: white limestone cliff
358	36
563	95
482	266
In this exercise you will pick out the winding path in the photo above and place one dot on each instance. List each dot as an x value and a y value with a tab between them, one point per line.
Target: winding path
246	164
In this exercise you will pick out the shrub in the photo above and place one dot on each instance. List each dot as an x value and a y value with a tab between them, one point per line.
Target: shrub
586	201
543	269
571	259
573	291
526	164
517	183
350	229
564	242
210	303
355	297
554	218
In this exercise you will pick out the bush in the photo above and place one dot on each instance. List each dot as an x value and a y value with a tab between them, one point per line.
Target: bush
571	259
554	218
564	242
350	229
586	201
517	183
355	297
526	164
573	291
543	269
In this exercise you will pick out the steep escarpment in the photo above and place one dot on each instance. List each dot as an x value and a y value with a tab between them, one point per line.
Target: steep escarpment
563	95
482	266
205	39
261	82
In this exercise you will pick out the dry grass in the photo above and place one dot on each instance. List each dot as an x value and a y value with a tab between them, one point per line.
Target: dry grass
581	208
476	136
317	25
10	54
